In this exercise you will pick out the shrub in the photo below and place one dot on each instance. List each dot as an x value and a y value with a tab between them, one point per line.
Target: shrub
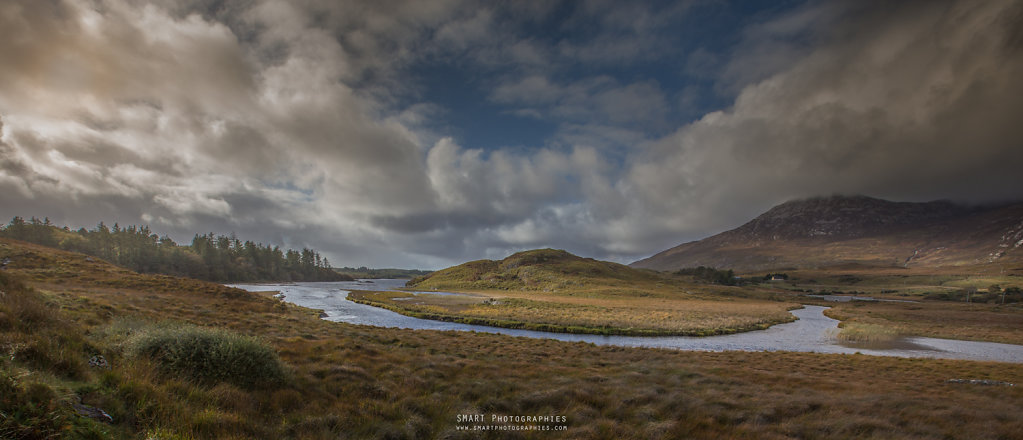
34	410
210	356
21	308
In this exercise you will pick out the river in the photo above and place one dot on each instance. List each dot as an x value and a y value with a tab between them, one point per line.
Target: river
812	332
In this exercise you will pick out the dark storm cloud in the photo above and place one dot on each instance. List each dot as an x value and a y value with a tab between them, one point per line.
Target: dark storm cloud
302	123
906	100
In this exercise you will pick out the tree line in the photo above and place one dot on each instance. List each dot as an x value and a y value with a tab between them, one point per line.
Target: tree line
365	272
209	257
710	275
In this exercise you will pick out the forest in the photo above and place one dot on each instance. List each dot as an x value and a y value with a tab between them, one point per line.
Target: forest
209	257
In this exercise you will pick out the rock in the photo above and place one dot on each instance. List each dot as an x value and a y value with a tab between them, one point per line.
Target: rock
93	413
986	382
324	315
99	361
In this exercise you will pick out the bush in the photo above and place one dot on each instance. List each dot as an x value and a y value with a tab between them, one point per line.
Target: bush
21	308
34	410
210	356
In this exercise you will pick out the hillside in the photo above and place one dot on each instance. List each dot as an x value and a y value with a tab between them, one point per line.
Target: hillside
540	269
858	230
208	257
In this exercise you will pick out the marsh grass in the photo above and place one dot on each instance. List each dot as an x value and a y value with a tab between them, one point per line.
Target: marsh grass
856	333
937	319
359	382
602	315
39	353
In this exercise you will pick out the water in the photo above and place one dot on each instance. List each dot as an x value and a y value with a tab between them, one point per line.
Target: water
847	298
812	332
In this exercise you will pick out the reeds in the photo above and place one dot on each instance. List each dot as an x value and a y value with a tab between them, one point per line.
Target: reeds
857	333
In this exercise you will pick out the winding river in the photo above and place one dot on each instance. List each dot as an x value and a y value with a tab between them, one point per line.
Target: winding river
812	332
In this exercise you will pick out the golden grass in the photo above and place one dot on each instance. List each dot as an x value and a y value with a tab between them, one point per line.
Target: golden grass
362	382
552	290
857	333
938	319
596	315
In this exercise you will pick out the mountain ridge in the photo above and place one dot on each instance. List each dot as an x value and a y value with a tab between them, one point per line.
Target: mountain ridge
841	230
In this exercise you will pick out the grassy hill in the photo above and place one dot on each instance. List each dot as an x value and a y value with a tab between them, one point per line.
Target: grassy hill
553	290
546	270
59	309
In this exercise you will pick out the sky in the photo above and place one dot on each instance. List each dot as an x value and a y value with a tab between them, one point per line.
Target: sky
427	133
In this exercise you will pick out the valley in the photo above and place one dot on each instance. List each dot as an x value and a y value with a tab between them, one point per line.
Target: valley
453	220
357	381
611	351
552	290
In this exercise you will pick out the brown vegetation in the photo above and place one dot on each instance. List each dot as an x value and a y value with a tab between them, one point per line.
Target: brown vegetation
976	322
348	381
637	316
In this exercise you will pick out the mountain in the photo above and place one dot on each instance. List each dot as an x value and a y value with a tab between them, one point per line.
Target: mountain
539	269
859	230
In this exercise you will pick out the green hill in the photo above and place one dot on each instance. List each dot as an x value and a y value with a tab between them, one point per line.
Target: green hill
548	270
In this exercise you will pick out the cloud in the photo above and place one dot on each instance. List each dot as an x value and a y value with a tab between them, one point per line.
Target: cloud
594	105
175	115
303	123
906	102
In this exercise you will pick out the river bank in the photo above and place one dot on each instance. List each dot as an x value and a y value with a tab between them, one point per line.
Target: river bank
811	332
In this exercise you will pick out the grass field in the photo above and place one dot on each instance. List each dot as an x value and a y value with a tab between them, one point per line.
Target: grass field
552	290
894	282
938	306
949	320
642	316
344	381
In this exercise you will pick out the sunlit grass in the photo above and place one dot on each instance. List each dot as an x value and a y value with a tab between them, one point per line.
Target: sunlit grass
360	382
602	315
857	333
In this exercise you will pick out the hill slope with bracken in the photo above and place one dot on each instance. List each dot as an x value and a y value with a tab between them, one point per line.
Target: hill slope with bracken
842	230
